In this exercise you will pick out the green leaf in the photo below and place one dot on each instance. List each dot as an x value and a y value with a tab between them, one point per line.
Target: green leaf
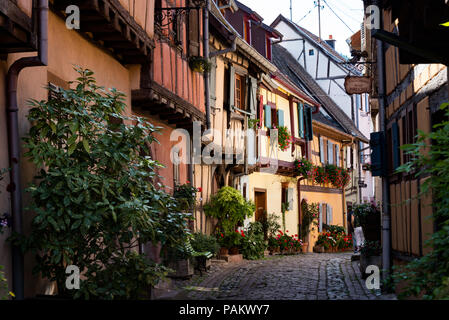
86	145
76	225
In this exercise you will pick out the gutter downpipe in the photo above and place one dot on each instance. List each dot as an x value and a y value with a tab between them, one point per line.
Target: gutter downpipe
206	56
386	230
14	140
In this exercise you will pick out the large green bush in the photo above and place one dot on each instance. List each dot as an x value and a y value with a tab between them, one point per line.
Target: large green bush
230	208
94	200
428	276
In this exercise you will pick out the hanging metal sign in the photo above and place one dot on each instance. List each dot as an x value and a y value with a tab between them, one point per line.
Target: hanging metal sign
357	85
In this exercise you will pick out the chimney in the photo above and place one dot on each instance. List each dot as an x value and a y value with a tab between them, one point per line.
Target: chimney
331	42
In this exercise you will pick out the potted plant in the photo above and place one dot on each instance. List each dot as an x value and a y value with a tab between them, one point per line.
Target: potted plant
367	215
199	64
370	254
254	124
230	209
303	167
273	245
236	240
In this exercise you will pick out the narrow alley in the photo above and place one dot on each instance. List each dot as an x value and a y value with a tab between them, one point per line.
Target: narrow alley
311	276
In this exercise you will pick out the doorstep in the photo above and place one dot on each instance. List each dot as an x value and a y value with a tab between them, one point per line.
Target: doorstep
232	258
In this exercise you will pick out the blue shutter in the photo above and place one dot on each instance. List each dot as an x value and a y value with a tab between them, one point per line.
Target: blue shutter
330	152
337	152
280	118
320	225
395	142
301	120
267	114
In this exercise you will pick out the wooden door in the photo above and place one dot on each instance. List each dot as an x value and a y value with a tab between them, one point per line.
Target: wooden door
261	205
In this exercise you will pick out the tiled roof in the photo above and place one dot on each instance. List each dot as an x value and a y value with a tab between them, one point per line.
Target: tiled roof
291	68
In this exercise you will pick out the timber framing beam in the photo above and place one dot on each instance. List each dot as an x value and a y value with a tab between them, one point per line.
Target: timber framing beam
16	30
171	108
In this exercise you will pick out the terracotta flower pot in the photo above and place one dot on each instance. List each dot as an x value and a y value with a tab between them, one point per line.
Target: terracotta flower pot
234	250
224	251
305	247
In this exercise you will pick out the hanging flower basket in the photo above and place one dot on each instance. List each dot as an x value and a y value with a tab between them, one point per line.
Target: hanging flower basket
199	64
284	138
303	167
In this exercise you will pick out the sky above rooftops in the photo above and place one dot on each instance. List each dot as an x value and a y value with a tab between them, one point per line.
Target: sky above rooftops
305	14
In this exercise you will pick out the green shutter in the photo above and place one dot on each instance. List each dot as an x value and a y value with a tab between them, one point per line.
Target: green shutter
301	120
280	118
309	129
267	115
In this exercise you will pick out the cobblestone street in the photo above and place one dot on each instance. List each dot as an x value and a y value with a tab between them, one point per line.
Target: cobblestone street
309	276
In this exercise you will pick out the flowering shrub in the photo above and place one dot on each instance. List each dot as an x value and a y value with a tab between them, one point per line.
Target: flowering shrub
286	242
303	167
284	138
231	240
326	240
335	240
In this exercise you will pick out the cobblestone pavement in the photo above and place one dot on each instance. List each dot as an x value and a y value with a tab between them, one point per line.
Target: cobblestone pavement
311	276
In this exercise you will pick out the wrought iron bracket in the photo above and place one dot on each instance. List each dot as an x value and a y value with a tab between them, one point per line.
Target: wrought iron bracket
164	17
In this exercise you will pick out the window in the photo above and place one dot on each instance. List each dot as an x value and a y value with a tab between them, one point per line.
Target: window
274	116
311	52
239	92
